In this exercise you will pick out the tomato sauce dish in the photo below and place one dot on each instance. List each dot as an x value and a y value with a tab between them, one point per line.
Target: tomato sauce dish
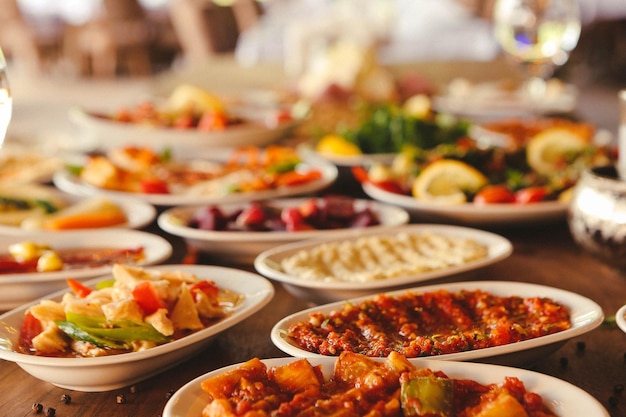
520	334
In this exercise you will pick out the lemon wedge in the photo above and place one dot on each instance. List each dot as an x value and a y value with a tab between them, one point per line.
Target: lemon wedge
546	150
418	106
336	145
187	97
445	181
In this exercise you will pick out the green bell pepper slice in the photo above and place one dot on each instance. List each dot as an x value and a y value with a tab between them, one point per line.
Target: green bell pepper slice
427	396
104	333
76	333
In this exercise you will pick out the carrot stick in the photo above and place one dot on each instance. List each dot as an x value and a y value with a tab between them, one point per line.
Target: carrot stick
86	221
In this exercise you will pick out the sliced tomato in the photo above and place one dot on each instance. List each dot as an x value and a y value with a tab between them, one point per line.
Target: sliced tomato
78	288
389	186
146	296
494	194
211	121
293	178
184	121
205	286
530	195
360	174
154	186
31	327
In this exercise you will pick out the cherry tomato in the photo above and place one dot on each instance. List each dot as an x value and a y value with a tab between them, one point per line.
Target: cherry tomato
360	174
530	195
494	194
154	186
291	215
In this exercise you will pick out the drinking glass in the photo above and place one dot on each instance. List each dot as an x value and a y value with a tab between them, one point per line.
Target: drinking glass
538	35
6	101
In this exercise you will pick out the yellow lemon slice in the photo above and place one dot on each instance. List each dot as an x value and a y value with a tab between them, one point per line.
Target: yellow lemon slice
445	181
418	106
187	97
546	150
336	145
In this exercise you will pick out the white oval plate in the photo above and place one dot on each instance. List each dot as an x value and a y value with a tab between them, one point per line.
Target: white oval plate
69	183
471	214
561	397
268	264
585	314
491	100
106	373
24	164
109	134
245	246
138	212
17	289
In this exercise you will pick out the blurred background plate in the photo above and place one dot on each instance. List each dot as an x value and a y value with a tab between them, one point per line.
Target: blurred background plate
17	289
68	182
491	215
106	134
138	212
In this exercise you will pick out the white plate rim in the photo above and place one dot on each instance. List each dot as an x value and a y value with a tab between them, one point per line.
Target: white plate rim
67	182
499	249
556	393
157	249
165	222
586	315
256	297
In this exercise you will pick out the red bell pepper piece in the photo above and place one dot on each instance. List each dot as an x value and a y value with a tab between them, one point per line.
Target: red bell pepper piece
31	327
78	288
205	286
154	186
146	296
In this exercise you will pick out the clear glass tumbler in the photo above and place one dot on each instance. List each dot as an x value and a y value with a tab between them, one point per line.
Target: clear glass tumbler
6	100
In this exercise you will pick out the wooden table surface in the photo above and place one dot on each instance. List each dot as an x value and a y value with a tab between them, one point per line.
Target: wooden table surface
543	254
595	362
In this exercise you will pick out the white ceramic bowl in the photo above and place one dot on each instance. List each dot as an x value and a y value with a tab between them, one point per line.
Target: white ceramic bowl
585	314
17	289
245	246
561	397
317	291
111	372
107	134
139	213
491	215
620	318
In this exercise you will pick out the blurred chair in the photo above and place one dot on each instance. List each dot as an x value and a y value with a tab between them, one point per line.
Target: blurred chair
118	39
30	45
205	29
